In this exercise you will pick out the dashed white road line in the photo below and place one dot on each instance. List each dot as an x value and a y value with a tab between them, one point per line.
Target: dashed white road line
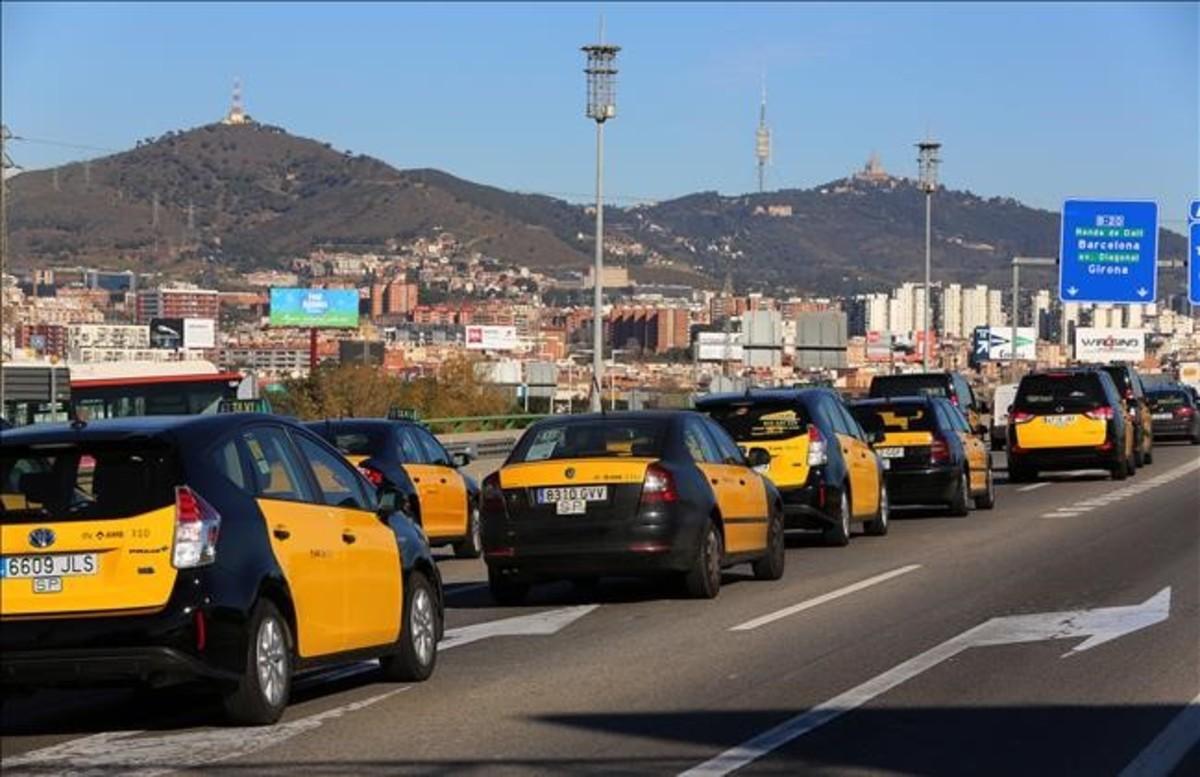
816	601
1163	754
1034	487
1103	500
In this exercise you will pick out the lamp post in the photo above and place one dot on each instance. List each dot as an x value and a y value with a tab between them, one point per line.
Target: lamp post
601	73
927	161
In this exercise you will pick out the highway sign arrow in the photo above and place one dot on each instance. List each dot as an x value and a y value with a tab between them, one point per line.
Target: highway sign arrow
1072	291
1142	292
1096	626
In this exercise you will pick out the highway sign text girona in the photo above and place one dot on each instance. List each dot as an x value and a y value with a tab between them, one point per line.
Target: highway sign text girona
1108	251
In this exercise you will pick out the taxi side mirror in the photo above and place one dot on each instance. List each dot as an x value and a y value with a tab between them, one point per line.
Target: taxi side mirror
758	459
387	501
463	458
876	436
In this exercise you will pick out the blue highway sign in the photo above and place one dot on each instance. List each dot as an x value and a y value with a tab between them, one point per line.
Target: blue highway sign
1194	263
1194	211
1108	251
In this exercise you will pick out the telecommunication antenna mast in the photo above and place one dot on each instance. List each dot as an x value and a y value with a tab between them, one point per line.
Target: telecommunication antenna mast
762	139
928	161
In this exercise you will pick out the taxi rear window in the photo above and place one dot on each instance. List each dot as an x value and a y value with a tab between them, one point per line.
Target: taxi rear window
85	482
910	386
895	418
591	439
1070	391
762	422
1167	399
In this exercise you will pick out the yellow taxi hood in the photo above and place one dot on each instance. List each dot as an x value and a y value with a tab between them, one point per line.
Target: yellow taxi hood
622	469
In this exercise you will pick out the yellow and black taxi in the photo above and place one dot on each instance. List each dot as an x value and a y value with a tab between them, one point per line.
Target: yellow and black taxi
929	454
1069	419
1137	408
820	458
948	385
641	493
402	455
233	549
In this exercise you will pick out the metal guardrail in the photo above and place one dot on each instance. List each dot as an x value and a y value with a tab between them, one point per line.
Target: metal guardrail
479	423
498	448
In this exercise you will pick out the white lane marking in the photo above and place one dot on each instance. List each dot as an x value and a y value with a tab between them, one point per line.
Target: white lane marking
823	598
1163	754
1033	487
129	753
1099	626
1103	500
95	756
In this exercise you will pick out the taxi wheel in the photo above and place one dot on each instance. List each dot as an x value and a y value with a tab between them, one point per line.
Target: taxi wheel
261	694
770	566
961	505
416	655
988	500
838	535
1139	453
505	591
703	580
878	526
471	545
1121	470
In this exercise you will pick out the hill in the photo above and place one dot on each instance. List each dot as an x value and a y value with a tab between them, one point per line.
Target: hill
252	196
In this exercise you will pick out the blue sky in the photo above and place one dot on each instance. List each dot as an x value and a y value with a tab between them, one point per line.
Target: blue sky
1039	102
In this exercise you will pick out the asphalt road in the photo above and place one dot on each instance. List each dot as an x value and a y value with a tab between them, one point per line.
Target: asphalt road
922	652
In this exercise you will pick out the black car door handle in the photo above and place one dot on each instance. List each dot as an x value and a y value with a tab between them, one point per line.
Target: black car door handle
281	533
443	480
349	538
713	481
416	480
741	482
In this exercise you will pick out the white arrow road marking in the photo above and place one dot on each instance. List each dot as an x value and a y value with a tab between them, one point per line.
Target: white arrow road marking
131	753
1099	626
128	753
823	598
1168	748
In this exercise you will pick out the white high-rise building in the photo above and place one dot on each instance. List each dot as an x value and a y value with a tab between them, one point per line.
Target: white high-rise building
995	308
918	319
1106	317
1070	316
974	308
1041	305
902	308
877	312
952	311
1133	316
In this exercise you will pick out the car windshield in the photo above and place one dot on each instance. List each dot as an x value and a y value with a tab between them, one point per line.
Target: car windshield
592	439
85	482
895	418
1069	391
910	386
762	422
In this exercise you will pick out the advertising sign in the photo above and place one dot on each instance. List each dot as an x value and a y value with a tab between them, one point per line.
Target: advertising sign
491	338
199	333
314	308
994	343
166	333
176	333
719	346
1108	251
1095	344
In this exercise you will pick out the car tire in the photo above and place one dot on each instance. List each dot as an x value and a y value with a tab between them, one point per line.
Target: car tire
416	656
261	693
988	500
703	580
770	566
1139	456
838	535
1196	438
471	546
506	591
960	506
878	526
1120	470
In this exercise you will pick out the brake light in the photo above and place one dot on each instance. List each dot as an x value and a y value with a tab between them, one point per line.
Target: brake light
1020	416
371	474
817	449
197	526
492	496
1128	393
954	400
1184	412
1104	413
658	486
939	451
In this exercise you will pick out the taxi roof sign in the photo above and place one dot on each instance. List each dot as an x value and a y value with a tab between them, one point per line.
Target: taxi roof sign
402	414
260	405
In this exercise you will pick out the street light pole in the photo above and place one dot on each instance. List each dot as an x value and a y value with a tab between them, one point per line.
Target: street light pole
928	160
601	106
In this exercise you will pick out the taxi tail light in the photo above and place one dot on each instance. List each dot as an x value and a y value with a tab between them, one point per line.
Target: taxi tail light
954	400
201	630
817	453
1107	445
1103	413
1184	412
197	527
492	496
939	451
658	487
1020	416
371	474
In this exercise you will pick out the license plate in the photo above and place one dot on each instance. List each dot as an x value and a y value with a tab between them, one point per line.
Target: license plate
49	565
1059	420
1161	417
47	585
890	453
570	507
547	496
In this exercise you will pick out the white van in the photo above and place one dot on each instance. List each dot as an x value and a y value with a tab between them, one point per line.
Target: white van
1002	400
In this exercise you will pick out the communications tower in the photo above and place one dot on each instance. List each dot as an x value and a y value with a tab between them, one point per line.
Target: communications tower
762	139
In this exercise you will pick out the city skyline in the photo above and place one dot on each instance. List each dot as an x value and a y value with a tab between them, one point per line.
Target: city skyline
456	98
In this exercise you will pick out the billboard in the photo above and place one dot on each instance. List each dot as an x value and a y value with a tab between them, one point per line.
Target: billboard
491	338
1096	344
719	346
176	333
199	333
995	343
315	308
166	333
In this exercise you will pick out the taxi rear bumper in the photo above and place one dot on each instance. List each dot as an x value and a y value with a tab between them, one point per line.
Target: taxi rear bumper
155	666
1062	459
926	485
